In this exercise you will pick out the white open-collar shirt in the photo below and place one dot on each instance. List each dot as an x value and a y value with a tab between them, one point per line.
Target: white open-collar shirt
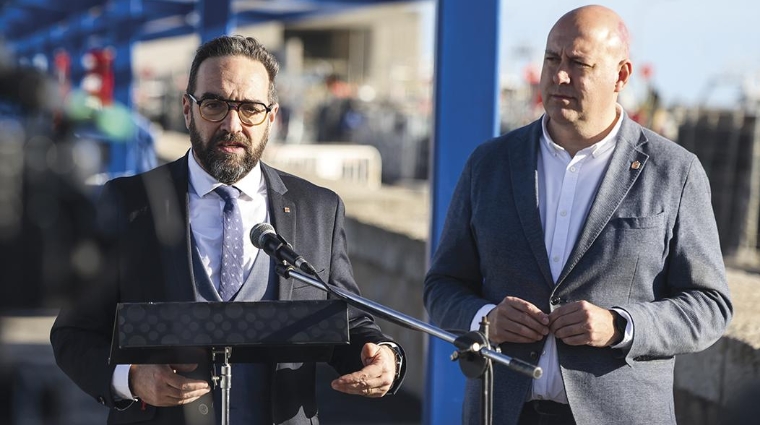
567	187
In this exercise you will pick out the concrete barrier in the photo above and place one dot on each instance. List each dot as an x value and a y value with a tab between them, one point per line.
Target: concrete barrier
355	164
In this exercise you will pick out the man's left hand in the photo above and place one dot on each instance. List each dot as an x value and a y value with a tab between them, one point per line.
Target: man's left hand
583	323
376	378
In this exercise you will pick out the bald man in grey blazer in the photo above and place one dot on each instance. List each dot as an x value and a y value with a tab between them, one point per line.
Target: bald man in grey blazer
590	244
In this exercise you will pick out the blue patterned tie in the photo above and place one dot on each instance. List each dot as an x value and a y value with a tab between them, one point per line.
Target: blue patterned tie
231	273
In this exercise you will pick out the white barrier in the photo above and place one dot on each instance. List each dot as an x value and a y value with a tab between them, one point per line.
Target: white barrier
355	164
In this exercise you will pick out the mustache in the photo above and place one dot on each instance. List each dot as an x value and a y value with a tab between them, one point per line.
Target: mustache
231	139
561	93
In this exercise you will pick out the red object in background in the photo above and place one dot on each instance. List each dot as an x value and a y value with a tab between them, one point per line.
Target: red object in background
62	62
532	74
647	70
98	80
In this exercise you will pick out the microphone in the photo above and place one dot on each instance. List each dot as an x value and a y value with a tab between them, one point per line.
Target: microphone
264	237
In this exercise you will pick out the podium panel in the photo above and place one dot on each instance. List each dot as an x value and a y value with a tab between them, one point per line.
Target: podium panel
263	331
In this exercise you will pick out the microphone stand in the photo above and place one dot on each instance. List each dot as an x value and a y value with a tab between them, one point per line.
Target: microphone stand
474	351
224	380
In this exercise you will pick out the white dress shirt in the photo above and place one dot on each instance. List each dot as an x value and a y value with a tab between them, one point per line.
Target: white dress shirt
206	209
567	187
205	217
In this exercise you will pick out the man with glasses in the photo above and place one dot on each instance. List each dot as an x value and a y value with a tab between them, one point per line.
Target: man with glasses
180	233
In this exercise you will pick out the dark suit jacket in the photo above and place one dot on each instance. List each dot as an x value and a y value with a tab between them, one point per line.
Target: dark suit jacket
649	246
149	259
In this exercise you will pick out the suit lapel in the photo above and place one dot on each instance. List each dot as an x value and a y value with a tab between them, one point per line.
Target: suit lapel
171	212
283	217
523	157
616	183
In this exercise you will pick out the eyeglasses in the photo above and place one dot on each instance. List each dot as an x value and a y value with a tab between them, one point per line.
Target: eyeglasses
215	110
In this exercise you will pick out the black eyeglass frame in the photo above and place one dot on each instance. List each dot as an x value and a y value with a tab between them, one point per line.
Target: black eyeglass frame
231	104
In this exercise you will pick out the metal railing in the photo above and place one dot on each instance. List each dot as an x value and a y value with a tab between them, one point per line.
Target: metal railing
355	164
728	146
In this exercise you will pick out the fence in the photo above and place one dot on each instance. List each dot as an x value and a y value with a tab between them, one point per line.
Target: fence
728	145
355	164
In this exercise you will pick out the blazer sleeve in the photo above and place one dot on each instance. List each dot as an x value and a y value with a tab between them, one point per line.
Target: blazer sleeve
362	327
698	308
453	284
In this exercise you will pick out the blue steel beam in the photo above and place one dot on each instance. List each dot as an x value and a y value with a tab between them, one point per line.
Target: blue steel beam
167	32
216	18
22	17
22	20
466	114
163	8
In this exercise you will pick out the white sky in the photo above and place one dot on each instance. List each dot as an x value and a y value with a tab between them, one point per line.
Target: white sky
688	43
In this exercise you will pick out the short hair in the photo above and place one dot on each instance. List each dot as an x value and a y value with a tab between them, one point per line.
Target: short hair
235	45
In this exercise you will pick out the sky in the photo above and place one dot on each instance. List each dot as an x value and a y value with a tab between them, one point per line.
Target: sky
701	52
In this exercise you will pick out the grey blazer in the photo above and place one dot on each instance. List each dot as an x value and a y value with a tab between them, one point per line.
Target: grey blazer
148	258
649	246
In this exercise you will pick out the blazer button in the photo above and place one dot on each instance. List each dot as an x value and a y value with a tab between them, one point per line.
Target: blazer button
101	400
555	300
534	355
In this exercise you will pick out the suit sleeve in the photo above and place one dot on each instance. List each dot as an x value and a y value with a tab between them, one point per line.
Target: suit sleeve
362	327
453	284
81	334
698	308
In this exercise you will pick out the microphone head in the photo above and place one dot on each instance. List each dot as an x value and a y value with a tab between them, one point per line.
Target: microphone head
259	231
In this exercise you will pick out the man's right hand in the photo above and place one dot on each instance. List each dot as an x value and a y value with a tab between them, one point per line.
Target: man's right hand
516	320
159	385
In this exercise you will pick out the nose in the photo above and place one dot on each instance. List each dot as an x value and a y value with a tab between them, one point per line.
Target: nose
232	122
561	76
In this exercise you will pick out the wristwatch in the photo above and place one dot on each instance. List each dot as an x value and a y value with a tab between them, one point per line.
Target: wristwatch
620	324
399	358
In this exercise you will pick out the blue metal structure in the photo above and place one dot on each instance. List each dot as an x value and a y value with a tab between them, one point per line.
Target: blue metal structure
466	114
36	29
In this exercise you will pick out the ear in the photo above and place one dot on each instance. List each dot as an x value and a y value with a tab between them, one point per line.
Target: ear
273	114
187	110
625	70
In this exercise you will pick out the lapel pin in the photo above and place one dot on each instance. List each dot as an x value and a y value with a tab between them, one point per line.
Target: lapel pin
286	209
635	165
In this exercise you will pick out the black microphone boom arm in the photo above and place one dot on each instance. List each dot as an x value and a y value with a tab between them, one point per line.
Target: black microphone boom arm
265	238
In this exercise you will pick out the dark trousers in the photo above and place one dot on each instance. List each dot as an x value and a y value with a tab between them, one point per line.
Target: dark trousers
544	412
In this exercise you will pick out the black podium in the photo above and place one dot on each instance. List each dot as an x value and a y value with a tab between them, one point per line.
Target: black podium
228	332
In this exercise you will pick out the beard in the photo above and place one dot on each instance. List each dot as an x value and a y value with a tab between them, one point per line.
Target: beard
226	168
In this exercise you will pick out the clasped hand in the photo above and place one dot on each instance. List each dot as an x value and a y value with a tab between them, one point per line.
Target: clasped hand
574	323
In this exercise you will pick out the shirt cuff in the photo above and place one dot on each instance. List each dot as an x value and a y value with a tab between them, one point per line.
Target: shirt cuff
398	352
475	324
627	340
120	383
